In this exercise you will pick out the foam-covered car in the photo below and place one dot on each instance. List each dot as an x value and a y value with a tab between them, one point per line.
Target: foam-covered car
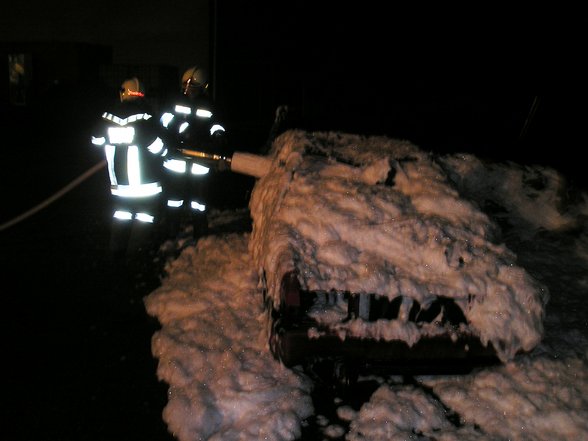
367	253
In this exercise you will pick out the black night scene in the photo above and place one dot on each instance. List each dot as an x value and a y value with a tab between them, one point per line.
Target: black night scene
335	222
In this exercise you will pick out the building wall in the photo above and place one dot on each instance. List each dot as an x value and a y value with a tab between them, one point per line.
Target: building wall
49	70
78	78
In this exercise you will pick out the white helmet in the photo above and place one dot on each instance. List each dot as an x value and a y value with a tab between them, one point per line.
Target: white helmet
131	89
194	81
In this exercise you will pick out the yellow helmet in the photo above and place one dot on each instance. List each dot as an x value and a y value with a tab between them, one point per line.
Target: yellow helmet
131	89
194	80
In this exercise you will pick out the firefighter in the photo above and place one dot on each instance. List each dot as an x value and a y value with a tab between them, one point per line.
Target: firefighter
129	134
191	122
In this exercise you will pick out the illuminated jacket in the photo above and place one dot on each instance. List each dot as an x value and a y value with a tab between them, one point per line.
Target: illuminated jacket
129	134
191	124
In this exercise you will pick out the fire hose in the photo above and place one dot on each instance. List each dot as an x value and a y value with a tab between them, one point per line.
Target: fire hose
77	181
240	162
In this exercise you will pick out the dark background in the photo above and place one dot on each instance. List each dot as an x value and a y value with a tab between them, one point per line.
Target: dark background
139	32
498	82
78	338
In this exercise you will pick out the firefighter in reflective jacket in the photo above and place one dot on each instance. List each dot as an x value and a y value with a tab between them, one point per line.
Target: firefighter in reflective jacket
191	123
129	134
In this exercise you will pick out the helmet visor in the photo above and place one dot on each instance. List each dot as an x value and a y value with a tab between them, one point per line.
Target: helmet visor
192	87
